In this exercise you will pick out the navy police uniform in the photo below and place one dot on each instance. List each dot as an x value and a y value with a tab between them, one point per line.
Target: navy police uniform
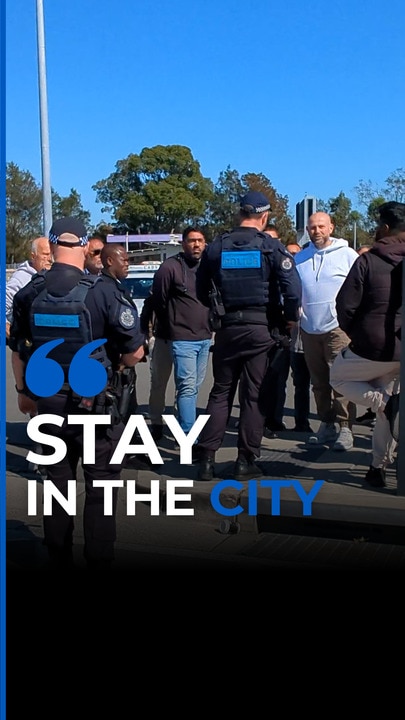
123	297
250	270
111	318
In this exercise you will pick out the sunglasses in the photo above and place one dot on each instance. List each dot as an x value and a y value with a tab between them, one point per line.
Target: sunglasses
93	253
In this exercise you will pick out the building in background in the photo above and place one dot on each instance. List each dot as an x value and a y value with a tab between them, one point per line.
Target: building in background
303	210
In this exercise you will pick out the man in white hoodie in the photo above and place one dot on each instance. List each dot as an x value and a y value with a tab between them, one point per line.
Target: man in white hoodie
323	266
40	259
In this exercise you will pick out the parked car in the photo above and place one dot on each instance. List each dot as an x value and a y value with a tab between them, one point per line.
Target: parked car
139	282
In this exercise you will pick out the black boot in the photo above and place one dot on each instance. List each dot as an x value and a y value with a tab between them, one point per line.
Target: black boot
206	468
245	469
375	477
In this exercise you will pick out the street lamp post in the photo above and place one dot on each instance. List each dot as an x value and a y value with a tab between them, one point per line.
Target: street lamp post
43	105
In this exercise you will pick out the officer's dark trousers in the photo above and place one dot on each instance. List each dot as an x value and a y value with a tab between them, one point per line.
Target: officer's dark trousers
276	388
241	352
302	388
99	529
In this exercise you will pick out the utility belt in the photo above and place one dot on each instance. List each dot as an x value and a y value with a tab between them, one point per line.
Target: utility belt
114	400
251	316
97	404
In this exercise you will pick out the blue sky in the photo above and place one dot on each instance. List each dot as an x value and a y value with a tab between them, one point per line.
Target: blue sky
312	95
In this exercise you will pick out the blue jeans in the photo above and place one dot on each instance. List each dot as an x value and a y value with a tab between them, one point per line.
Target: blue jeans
190	360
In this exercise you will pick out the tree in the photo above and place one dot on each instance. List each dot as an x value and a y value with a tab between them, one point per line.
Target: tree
366	192
279	214
23	212
348	223
371	196
395	185
372	214
224	208
69	206
394	189
158	191
340	210
224	205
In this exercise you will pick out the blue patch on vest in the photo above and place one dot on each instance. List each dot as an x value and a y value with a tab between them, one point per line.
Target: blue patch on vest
233	260
41	320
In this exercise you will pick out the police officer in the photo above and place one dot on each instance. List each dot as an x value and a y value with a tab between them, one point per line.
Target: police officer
115	263
109	317
249	270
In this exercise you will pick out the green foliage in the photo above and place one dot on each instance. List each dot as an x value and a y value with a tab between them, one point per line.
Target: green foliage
23	212
371	196
395	185
372	212
349	224
394	189
223	210
160	190
69	206
279	215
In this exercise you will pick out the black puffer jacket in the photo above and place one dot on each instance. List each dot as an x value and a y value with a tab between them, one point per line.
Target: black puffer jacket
178	299
369	302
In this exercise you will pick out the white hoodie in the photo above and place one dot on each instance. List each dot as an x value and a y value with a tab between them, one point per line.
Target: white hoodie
322	274
20	277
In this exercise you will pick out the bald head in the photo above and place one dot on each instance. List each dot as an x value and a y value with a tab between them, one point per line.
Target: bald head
115	260
41	255
320	229
70	253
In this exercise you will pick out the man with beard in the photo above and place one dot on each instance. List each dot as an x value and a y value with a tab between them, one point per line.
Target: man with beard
179	306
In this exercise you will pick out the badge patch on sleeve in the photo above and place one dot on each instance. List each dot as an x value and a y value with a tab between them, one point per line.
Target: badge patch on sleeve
286	264
127	319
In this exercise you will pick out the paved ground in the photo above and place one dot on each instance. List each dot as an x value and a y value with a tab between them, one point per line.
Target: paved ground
352	526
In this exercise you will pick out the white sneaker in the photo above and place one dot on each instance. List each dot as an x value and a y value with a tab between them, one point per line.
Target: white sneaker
344	440
325	434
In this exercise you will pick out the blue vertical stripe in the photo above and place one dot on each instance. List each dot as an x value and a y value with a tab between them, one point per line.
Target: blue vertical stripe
2	371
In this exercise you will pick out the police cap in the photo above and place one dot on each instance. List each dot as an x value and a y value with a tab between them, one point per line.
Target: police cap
254	203
71	226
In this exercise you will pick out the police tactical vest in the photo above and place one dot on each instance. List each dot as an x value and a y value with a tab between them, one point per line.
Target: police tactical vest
67	317
243	272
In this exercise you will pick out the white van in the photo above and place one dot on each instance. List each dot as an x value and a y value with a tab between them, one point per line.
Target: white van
139	282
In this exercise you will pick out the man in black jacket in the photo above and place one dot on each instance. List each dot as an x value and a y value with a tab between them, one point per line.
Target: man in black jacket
369	311
179	307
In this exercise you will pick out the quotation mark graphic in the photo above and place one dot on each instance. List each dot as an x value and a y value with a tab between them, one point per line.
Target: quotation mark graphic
45	377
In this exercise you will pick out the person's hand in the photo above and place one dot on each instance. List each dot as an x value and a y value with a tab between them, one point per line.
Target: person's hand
27	405
7	329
